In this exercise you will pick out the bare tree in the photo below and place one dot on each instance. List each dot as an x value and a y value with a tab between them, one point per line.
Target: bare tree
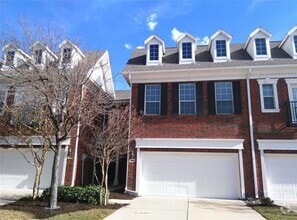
64	95
109	141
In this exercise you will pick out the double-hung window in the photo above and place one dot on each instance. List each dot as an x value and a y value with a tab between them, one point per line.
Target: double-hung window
221	48
268	95
10	58
66	55
38	56
154	52
261	46
152	99
224	98
295	43
187	50
3	95
187	99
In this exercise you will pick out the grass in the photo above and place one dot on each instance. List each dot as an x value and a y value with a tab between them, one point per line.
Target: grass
275	212
37	210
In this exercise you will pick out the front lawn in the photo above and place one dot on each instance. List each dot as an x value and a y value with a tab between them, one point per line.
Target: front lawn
275	212
37	210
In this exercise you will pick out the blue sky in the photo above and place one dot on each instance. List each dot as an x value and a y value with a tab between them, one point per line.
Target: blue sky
119	26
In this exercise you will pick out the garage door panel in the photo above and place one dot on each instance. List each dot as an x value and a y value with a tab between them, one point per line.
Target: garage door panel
281	176
16	172
190	174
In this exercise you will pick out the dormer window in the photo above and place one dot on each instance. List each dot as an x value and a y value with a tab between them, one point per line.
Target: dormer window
260	46
187	50
66	55
38	56
154	52
10	58
221	48
295	43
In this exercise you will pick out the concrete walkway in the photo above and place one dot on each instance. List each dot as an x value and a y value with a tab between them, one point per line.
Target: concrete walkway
157	208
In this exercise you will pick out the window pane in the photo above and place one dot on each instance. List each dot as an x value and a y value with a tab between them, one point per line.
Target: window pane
267	90
66	55
221	48
261	46
154	52
10	58
269	103
224	97
38	56
187	108
295	42
268	96
187	50
187	98
152	98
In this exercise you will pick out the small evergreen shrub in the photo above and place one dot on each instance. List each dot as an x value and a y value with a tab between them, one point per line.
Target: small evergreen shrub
77	194
266	201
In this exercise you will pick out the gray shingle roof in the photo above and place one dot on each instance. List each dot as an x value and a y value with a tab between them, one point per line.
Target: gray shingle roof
122	94
239	57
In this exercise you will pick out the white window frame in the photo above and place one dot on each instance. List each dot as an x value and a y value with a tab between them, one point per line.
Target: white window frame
182	49
290	84
152	101
231	96
262	82
5	90
216	52
179	100
150	52
295	45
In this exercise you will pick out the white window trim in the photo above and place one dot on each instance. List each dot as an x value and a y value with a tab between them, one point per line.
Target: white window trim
182	51
150	62
290	83
4	100
216	52
152	101
216	100
268	51
149	58
179	101
261	82
294	46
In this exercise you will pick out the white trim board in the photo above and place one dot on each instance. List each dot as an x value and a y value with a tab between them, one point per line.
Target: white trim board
270	144
35	140
189	143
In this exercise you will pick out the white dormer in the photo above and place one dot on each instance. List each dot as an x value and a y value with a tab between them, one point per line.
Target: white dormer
186	45
70	54
289	43
41	54
219	46
155	49
258	45
13	56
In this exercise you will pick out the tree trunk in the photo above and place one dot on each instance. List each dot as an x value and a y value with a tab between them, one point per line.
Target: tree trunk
103	174
106	185
38	172
55	172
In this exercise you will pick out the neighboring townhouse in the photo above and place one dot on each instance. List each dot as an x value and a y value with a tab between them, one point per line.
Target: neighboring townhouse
219	120
15	171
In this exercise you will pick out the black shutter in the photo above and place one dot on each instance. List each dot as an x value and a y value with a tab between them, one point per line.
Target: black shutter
140	98
164	99
211	98
175	94
237	97
199	99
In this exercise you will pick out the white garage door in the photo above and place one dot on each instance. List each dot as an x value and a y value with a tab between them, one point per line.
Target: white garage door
16	172
281	176
204	175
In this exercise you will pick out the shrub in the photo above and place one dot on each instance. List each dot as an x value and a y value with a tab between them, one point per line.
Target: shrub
266	201
77	194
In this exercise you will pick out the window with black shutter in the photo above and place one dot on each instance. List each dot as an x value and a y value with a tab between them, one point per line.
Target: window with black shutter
164	99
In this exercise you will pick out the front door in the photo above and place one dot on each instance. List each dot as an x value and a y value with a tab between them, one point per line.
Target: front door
293	102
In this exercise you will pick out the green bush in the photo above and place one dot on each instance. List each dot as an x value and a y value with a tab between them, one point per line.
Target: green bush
266	201
77	194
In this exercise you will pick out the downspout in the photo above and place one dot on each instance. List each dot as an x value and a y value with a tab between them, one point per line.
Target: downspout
252	133
74	169
129	133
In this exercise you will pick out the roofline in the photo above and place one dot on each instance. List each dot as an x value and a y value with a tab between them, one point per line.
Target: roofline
220	31
45	47
287	35
259	29
158	38
183	35
72	44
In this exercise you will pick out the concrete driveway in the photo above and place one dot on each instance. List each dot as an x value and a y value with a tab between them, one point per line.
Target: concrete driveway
292	206
11	195
156	208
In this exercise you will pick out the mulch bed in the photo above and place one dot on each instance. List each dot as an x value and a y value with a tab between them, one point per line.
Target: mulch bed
120	195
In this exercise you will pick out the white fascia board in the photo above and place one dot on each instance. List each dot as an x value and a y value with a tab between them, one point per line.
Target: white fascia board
14	140
74	46
271	144
189	143
45	48
254	33
287	35
213	37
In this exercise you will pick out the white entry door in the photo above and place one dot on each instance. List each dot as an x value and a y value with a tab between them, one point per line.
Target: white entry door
203	175
281	176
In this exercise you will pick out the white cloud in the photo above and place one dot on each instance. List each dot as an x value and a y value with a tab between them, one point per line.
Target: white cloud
140	47
175	34
152	21
128	46
203	41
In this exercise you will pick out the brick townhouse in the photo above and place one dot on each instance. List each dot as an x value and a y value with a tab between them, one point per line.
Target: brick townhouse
15	171
218	120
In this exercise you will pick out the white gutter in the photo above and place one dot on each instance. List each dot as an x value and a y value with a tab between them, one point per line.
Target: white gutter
252	134
74	169
129	133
